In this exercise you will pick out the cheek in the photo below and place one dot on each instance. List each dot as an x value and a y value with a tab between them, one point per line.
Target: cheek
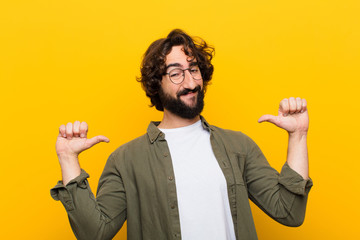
169	88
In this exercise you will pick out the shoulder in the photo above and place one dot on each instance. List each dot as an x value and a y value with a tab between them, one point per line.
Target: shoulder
133	148
236	140
230	134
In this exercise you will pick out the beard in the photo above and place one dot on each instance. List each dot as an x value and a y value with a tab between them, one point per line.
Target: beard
179	108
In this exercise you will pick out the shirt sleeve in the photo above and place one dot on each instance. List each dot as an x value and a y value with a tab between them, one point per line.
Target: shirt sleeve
294	182
90	217
282	196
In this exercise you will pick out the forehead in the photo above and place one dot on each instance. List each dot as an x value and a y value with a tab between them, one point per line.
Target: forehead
178	56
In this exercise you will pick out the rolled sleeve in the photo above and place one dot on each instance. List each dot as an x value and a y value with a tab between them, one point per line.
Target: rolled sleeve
294	182
61	192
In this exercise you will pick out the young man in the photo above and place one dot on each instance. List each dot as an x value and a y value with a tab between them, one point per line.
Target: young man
184	179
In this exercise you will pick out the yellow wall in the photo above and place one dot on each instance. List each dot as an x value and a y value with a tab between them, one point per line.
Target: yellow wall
72	60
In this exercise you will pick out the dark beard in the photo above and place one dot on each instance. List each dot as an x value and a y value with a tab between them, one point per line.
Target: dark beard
179	108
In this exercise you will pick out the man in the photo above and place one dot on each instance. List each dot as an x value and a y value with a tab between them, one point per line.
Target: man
184	179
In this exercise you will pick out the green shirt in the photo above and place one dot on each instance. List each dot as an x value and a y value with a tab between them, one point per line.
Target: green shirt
138	185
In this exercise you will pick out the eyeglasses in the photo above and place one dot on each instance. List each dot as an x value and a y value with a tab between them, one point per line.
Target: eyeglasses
177	75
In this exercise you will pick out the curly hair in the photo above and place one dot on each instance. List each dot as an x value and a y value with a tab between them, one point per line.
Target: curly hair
153	66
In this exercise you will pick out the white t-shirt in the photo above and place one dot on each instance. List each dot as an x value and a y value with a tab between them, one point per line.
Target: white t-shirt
200	185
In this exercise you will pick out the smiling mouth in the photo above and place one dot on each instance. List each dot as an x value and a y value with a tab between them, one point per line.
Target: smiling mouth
189	92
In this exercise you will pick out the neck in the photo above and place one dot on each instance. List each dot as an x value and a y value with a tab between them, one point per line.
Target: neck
171	120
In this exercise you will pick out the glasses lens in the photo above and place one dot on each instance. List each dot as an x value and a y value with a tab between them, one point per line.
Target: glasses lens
195	72
176	75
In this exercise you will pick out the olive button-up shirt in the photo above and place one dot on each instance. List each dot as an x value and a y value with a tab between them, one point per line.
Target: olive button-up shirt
138	185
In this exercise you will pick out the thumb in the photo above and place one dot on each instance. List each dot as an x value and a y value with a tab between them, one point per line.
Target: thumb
95	140
269	118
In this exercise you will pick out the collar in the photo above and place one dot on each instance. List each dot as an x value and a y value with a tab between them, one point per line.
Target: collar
154	133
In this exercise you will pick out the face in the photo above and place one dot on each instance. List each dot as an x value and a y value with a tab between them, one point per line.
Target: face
184	99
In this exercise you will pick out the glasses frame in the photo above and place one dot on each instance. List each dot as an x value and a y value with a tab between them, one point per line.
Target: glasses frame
183	74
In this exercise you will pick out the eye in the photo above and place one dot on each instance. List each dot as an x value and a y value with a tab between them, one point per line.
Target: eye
195	69
176	73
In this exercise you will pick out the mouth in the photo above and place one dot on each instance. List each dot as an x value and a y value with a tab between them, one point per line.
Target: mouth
189	92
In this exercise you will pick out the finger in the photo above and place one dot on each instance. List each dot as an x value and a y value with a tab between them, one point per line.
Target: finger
284	107
292	105
92	141
298	105
69	131
62	132
83	129
268	118
304	105
76	129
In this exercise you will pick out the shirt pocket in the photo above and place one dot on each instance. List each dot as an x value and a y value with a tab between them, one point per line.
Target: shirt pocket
237	161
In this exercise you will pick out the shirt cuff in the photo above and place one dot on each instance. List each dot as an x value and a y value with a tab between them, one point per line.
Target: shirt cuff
61	192
294	182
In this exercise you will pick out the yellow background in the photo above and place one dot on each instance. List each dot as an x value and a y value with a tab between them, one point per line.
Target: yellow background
65	60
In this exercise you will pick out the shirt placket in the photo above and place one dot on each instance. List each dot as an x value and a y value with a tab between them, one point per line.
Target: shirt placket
164	152
225	165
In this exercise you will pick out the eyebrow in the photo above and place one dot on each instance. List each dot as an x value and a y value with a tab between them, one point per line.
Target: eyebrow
180	65
173	65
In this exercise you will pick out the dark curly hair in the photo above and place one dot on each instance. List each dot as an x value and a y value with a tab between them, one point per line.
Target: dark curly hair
153	65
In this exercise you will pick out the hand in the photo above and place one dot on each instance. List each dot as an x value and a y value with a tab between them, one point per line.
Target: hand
293	116
72	140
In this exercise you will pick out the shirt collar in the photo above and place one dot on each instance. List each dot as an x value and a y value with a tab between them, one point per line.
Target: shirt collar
154	133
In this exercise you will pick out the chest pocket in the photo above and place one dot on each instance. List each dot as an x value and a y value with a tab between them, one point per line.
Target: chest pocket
237	161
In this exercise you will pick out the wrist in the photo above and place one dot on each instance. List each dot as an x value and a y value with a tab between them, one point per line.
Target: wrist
67	157
298	135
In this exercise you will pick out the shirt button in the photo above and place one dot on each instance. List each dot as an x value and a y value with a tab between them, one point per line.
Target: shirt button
171	178
172	206
165	155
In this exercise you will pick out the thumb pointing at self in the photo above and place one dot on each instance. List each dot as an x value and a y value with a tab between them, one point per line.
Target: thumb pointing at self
269	118
95	140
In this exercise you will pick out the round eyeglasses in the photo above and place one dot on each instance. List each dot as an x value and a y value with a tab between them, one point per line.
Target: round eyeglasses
177	75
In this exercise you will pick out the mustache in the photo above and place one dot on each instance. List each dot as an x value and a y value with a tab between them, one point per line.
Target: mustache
186	91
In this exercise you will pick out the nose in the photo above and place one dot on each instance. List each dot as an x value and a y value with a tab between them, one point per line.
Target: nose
189	81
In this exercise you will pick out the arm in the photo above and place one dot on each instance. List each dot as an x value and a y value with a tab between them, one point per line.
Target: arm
89	218
282	196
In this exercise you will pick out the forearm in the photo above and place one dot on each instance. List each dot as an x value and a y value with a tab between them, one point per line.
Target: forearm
70	167
284	196
85	213
297	155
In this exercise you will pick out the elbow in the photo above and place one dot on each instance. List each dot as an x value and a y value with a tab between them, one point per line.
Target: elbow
296	223
292	220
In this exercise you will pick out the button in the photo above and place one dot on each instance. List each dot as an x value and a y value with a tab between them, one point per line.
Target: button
165	154
171	178
172	206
